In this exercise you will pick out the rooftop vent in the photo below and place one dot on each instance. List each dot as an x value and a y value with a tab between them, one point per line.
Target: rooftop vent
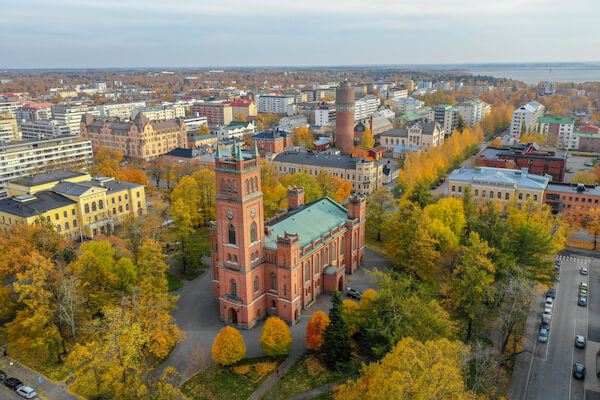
580	187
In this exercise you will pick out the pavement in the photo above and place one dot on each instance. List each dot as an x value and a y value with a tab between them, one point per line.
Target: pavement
544	370
45	388
197	314
576	164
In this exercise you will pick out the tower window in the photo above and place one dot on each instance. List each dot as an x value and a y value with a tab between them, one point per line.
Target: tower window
252	232
307	271
273	282
231	234
233	288
255	284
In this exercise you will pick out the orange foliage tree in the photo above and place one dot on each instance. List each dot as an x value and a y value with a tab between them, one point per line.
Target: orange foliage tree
228	347
314	330
275	338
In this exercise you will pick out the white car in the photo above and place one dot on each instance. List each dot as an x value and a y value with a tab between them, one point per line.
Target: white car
549	303
547	316
27	392
583	271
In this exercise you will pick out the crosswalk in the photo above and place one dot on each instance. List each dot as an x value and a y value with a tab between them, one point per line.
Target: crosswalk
573	259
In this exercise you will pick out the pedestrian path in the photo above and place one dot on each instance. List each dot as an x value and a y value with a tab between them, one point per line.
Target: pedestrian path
315	392
266	385
46	388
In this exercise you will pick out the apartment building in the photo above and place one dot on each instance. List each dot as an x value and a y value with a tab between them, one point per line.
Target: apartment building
274	141
9	129
365	176
9	107
75	203
404	105
558	131
33	112
571	199
498	184
394	93
365	107
236	130
140	138
422	135
325	115
215	113
71	115
194	124
293	121
421	115
20	159
42	129
472	111
161	112
243	106
274	104
525	118
121	110
447	117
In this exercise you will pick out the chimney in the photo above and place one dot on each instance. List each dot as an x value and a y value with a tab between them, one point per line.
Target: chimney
295	197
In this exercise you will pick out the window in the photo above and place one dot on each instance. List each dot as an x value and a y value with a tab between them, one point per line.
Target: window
231	234
139	204
235	259
119	198
114	210
325	257
223	187
506	196
233	288
101	204
229	257
476	192
113	200
491	194
252	232
333	252
126	196
56	217
535	197
317	264
460	189
72	211
527	196
306	271
273	282
520	196
67	226
256	284
235	187
273	304
285	290
247	187
499	195
137	194
453	188
483	193
229	186
65	214
120	209
86	207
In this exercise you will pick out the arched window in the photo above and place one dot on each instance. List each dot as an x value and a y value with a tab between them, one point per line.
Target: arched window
535	197
491	194
86	208
307	271
235	188
93	206
325	257
255	183
101	204
223	187
233	288
228	257
114	210
256	284
58	228
229	186
139	204
460	189
284	290
74	223
127	207
252	188
273	304
273	282
500	195
453	188
520	196
231	234
317	264
247	187
333	253
252	232
120	209
67	226
506	196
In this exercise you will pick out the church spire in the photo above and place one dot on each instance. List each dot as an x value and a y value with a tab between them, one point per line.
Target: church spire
255	150
218	152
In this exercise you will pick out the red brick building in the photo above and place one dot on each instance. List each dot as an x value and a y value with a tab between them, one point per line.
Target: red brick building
215	113
539	160
279	266
589	139
571	199
272	142
376	153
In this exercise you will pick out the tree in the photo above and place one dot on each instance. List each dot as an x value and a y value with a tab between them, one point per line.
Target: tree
461	123
413	371
367	140
274	193
312	189
97	372
228	347
204	130
336	188
585	177
315	328
351	316
239	117
133	175
275	338
420	194
303	135
106	161
590	221
379	207
471	287
368	296
183	228
336	338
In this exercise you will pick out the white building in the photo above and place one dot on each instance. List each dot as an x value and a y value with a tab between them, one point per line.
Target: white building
293	121
274	104
71	116
473	111
325	116
21	159
43	129
394	93
235	130
9	107
404	106
528	115
122	110
365	107
161	112
559	132
385	112
193	124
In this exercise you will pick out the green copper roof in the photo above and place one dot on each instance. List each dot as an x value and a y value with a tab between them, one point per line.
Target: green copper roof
556	120
239	156
255	150
218	152
234	148
311	222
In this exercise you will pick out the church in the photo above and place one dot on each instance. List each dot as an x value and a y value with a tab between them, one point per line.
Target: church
280	265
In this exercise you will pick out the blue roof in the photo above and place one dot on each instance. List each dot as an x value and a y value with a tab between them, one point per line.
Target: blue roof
500	176
403	148
310	222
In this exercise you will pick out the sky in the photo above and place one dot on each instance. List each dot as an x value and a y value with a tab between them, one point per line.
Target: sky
221	33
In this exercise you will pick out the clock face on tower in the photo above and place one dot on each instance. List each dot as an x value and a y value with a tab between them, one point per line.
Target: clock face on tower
230	214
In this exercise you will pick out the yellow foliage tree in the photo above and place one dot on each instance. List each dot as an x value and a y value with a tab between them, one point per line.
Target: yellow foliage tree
315	328
585	177
367	140
367	296
350	316
228	347
413	371
275	338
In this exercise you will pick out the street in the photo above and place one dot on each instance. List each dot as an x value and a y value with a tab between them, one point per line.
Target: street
545	370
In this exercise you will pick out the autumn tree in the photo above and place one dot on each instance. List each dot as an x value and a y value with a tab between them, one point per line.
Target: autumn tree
367	140
312	189
275	338
585	177
336	337
239	117
204	130
590	221
183	229
106	161
303	135
315	328
379	206
274	193
413	370
336	188
228	347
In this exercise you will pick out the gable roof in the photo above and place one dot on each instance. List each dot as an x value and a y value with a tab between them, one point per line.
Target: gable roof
310	222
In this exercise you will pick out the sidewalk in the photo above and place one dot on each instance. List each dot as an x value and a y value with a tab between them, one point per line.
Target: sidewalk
266	385
47	389
315	392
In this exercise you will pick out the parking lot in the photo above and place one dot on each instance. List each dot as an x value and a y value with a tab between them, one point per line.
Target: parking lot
576	164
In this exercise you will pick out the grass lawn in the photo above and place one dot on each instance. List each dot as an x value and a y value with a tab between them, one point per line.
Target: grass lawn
219	382
174	282
306	374
376	246
324	396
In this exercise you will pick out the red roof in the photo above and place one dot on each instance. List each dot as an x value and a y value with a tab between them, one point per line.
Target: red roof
240	102
37	105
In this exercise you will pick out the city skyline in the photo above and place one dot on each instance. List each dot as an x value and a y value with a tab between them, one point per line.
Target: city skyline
131	34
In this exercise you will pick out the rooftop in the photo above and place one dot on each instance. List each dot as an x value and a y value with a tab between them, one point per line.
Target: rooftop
319	159
518	178
556	120
29	206
559	187
310	222
47	177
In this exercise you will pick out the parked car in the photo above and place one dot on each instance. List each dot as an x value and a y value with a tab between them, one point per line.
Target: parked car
442	180
578	371
557	262
582	292
27	391
583	285
543	336
545	325
580	341
353	293
549	302
582	301
588	164
547	316
583	271
13	383
551	293
2	375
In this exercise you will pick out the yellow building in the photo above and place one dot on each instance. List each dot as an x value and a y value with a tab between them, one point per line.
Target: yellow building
75	203
9	130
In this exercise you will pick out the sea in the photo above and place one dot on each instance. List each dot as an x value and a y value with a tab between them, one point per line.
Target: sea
533	74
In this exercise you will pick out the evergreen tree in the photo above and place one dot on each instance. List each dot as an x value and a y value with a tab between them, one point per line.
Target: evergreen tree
336	338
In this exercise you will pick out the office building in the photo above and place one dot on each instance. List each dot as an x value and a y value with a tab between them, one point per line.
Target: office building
274	104
272	142
288	123
236	130
9	129
71	116
325	115
447	117
23	158
243	106
420	135
161	112
33	112
404	105
215	113
43	129
121	110
525	118
572	199
74	203
365	107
